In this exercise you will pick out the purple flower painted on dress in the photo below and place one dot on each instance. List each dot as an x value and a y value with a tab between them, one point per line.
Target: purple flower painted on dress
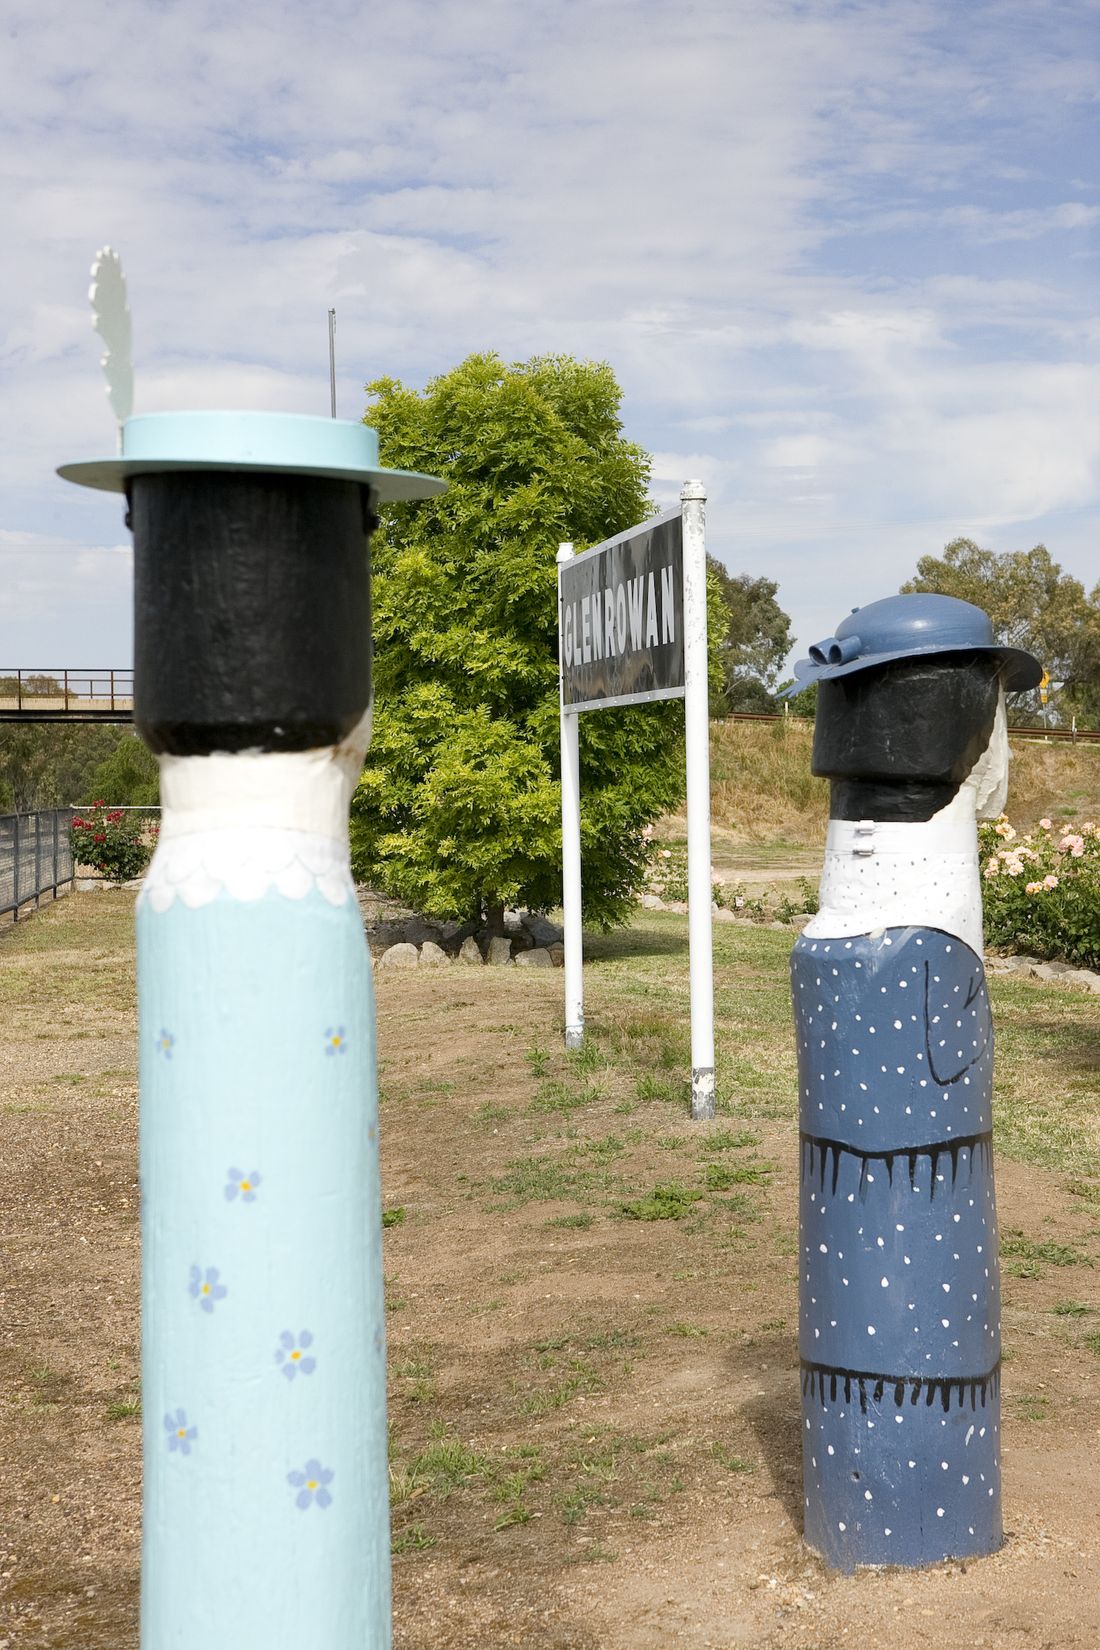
205	1288
312	1485
244	1184
180	1435
291	1354
336	1041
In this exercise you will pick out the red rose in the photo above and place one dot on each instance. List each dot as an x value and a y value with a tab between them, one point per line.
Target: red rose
115	817
102	803
100	836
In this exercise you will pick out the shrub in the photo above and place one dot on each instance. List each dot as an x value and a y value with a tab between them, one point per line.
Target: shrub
116	843
1042	891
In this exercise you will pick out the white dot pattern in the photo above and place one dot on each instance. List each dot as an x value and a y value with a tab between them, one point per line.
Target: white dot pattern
899	1287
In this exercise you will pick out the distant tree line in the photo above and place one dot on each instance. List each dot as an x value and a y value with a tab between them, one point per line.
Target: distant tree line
52	764
457	809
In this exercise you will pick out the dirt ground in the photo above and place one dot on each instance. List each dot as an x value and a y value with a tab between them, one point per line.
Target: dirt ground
594	1411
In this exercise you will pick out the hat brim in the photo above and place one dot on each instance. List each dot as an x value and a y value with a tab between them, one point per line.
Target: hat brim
110	475
1022	671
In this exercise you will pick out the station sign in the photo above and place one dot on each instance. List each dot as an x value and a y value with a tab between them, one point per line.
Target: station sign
622	618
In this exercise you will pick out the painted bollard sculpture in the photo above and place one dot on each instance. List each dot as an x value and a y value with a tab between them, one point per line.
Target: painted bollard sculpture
899	1285
263	1358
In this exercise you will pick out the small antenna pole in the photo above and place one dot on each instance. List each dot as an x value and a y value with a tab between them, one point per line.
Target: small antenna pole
332	360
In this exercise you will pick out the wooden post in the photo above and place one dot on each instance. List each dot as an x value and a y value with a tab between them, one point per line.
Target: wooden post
263	1359
899	1291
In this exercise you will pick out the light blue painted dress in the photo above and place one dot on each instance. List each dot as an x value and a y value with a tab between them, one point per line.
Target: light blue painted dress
266	1513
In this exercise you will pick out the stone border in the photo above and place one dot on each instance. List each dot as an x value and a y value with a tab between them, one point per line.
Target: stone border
400	938
1034	968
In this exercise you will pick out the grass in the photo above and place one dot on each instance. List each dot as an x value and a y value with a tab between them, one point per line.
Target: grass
731	1462
588	1140
580	1379
124	1409
763	793
721	1176
729	1140
1014	1244
665	1202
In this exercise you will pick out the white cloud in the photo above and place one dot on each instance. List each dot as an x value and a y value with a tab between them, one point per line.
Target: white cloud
828	245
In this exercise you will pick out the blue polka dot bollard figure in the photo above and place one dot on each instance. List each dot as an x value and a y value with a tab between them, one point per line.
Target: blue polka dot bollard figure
899	1289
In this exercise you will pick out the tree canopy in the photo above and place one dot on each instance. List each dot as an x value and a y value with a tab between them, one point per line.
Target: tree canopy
50	764
1033	605
755	639
458	807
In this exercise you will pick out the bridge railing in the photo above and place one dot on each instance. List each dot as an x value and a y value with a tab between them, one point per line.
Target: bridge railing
35	857
66	690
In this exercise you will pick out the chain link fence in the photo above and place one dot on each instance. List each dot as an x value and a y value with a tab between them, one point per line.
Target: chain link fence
35	857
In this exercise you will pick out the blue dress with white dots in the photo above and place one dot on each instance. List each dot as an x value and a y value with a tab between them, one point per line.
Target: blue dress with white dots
899	1283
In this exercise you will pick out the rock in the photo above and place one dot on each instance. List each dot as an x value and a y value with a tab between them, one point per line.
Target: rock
537	958
1083	976
452	935
433	956
500	951
557	955
543	932
513	921
402	955
468	951
652	902
1045	970
89	885
800	919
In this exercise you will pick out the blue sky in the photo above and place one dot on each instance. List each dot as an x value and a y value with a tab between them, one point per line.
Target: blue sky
841	255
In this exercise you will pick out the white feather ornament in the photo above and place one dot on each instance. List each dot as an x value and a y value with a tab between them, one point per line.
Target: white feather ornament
111	319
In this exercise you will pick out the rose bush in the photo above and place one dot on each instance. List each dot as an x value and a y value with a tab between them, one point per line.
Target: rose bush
1042	891
115	842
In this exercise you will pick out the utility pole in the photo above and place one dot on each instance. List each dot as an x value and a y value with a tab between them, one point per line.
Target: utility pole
332	361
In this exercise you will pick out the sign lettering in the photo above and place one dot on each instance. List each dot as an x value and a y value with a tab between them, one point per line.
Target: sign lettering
622	619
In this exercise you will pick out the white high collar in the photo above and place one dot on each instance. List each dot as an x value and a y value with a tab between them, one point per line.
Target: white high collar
880	874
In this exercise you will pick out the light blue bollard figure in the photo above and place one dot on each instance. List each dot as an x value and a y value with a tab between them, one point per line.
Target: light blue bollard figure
899	1289
266	1519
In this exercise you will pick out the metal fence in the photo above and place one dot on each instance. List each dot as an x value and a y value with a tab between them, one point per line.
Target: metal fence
35	857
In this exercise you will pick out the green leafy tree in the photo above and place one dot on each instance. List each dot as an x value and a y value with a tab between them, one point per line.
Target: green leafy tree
50	764
755	639
458	807
803	703
128	777
1033	605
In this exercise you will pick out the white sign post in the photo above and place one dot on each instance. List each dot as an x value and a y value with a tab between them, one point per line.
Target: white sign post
632	628
570	848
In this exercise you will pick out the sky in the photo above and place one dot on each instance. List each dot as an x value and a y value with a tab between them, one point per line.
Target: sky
841	254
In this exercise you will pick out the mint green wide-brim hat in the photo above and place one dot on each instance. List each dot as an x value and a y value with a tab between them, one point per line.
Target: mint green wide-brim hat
275	443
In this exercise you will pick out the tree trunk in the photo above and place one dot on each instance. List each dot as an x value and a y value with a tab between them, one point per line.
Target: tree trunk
494	918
